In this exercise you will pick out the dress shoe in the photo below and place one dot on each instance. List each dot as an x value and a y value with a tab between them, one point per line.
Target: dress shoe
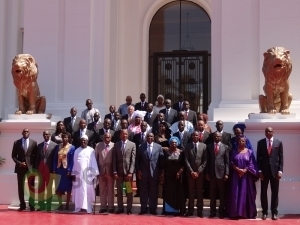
102	210
21	208
189	213
199	214
221	216
136	195
264	217
153	212
142	212
111	211
32	209
274	217
119	211
129	212
212	215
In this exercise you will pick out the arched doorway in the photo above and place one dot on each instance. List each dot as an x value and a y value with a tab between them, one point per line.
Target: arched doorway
179	54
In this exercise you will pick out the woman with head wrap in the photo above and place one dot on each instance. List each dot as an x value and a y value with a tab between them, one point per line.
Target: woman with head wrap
241	187
163	136
238	130
159	104
173	191
138	117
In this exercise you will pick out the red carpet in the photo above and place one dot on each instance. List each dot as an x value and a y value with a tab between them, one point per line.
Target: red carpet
42	218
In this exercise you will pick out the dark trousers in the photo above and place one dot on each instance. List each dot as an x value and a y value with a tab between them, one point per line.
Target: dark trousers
45	184
217	186
129	196
148	192
195	184
274	193
21	176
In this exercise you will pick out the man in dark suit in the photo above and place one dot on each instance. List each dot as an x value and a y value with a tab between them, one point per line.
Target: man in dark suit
104	157
93	138
203	134
150	116
270	168
96	125
24	154
195	161
155	126
111	115
123	126
105	129
141	105
148	166
182	135
72	123
169	113
217	171
190	115
225	138
178	106
139	139
44	164
123	167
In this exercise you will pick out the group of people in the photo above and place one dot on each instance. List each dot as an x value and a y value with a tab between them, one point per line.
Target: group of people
170	152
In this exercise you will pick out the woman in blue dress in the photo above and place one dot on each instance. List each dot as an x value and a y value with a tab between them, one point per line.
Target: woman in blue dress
62	166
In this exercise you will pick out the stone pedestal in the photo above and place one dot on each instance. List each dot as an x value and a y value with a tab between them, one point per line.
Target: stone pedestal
11	130
287	129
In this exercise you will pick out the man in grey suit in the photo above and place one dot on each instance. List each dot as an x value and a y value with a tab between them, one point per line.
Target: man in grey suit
123	167
148	166
23	154
270	168
104	156
190	115
195	161
170	114
150	116
182	135
44	165
203	134
217	171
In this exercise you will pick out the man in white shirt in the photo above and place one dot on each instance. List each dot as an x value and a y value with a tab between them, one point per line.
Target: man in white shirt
88	114
85	171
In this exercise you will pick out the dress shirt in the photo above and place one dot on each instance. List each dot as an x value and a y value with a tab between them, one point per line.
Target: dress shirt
82	132
149	148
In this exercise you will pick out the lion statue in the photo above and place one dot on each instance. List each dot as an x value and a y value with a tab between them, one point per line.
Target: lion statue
25	72
277	68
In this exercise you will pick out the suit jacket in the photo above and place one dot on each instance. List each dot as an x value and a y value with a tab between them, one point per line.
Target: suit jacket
105	160
42	161
274	161
91	126
137	139
176	107
149	166
172	116
225	139
19	156
108	116
185	139
124	164
205	137
93	139
195	162
192	117
155	127
217	165
152	118
68	125
102	132
138	106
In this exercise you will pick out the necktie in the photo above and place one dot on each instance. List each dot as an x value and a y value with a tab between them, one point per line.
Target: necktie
143	138
216	149
25	145
142	104
200	136
123	147
45	148
149	115
167	113
72	121
195	149
180	106
149	151
186	115
106	150
269	147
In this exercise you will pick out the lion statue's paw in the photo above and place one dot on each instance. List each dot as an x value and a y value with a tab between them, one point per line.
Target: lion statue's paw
18	112
285	112
29	112
273	111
